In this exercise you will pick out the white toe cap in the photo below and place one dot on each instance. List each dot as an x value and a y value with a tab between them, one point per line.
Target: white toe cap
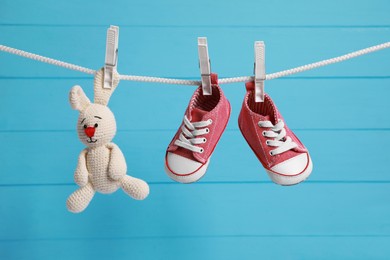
181	165
293	166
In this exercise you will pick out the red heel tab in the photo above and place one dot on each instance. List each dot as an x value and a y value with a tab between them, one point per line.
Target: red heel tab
250	85
214	79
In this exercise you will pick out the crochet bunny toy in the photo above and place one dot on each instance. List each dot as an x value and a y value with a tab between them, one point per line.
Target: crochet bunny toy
101	166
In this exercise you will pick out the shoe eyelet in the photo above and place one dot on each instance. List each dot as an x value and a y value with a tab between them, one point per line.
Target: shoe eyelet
271	153
266	142
201	150
207	130
263	133
204	140
210	121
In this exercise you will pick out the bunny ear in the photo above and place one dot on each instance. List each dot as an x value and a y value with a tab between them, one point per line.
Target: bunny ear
77	98
102	95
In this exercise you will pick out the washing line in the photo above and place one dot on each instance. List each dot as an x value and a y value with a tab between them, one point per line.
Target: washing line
197	82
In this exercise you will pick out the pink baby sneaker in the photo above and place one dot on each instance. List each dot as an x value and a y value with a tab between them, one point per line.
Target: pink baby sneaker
188	154
283	156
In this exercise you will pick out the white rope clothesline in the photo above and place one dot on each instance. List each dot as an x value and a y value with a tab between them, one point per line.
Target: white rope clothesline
196	82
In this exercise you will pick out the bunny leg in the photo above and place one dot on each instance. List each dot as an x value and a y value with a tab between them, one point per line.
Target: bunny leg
136	188
80	199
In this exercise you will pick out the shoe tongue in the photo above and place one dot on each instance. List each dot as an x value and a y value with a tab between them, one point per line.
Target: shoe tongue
265	118
273	119
197	114
268	112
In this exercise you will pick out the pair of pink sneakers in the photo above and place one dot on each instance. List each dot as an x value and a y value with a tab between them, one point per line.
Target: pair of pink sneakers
284	157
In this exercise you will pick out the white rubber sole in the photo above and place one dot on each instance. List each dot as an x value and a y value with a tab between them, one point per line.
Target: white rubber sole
291	180
193	177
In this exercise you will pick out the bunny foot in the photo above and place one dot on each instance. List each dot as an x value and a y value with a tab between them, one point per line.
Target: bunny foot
80	199
135	188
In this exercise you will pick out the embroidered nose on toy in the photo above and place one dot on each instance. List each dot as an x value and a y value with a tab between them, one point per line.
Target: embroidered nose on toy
90	131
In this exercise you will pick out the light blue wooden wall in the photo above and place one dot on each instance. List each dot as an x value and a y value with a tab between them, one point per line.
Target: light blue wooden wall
341	113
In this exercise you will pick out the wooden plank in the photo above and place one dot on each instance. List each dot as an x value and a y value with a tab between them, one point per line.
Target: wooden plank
235	247
45	158
35	213
305	104
231	50
199	13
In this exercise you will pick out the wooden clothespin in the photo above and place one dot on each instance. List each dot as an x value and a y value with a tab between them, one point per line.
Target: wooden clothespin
111	56
204	65
259	71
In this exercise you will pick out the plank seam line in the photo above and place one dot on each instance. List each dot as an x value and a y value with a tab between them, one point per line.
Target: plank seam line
209	183
16	131
174	26
200	236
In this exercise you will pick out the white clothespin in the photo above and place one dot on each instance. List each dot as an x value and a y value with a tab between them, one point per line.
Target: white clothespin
204	64
259	71
111	55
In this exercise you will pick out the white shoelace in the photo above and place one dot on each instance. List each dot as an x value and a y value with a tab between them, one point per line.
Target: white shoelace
188	137
278	133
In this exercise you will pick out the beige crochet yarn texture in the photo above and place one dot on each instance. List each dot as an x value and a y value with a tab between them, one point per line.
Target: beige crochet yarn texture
101	166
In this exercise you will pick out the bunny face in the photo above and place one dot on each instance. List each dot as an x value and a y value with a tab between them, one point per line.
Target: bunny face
96	125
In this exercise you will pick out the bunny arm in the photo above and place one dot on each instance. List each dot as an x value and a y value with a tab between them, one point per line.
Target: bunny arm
117	167
81	173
